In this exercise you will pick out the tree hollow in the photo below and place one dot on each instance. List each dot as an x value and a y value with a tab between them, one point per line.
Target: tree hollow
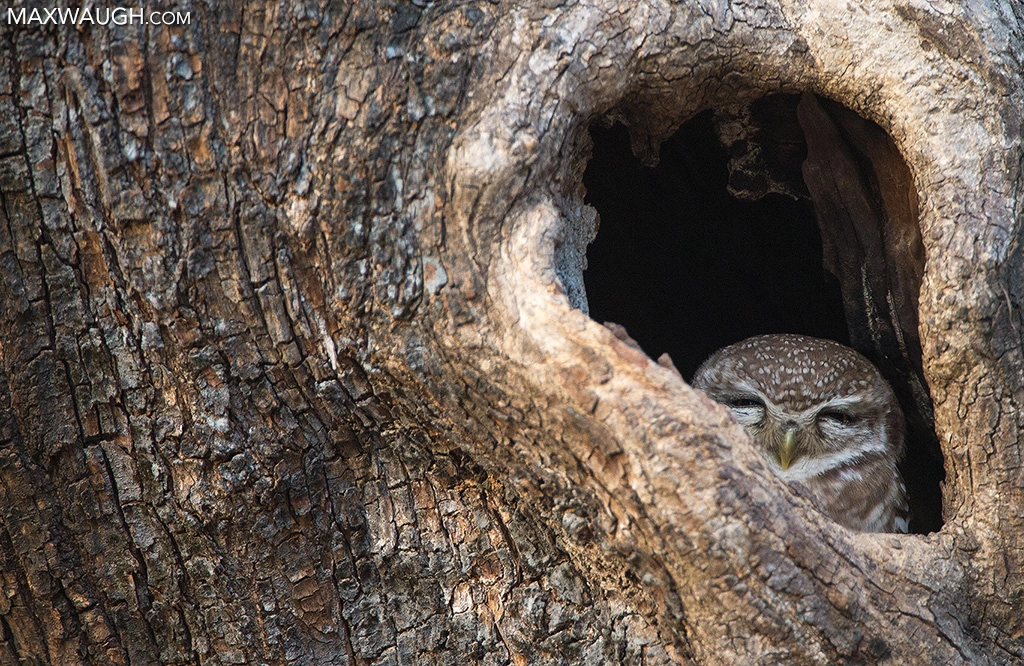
724	239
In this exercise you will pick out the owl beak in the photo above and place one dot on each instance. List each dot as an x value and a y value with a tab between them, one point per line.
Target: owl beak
787	448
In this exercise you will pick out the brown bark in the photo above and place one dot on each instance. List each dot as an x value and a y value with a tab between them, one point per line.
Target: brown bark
292	371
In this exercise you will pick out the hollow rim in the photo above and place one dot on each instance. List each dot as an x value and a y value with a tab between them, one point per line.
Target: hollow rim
656	66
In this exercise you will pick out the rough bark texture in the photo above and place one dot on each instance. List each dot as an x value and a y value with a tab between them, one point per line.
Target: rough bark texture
291	371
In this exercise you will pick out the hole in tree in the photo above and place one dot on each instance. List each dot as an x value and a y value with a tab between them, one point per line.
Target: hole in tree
821	238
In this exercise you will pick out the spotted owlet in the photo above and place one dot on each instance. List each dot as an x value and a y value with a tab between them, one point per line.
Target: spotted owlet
823	415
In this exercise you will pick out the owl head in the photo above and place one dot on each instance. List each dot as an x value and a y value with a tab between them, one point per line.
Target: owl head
812	405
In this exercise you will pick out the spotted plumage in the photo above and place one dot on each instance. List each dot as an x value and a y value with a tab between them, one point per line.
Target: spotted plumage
824	416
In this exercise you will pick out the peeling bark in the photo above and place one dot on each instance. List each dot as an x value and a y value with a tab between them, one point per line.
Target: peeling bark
292	371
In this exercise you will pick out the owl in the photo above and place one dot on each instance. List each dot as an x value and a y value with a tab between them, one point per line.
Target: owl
822	415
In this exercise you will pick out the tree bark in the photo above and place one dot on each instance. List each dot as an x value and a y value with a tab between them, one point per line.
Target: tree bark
297	368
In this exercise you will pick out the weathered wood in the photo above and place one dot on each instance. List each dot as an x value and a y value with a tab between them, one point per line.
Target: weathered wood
291	371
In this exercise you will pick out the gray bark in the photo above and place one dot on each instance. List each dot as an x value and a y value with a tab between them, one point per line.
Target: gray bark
292	371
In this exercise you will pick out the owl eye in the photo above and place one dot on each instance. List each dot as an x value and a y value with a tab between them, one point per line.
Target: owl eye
838	417
747	409
745	403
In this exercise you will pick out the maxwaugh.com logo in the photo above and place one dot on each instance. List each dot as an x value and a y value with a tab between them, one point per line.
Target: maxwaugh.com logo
84	16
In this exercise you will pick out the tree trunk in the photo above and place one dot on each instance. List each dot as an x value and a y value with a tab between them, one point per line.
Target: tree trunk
297	367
